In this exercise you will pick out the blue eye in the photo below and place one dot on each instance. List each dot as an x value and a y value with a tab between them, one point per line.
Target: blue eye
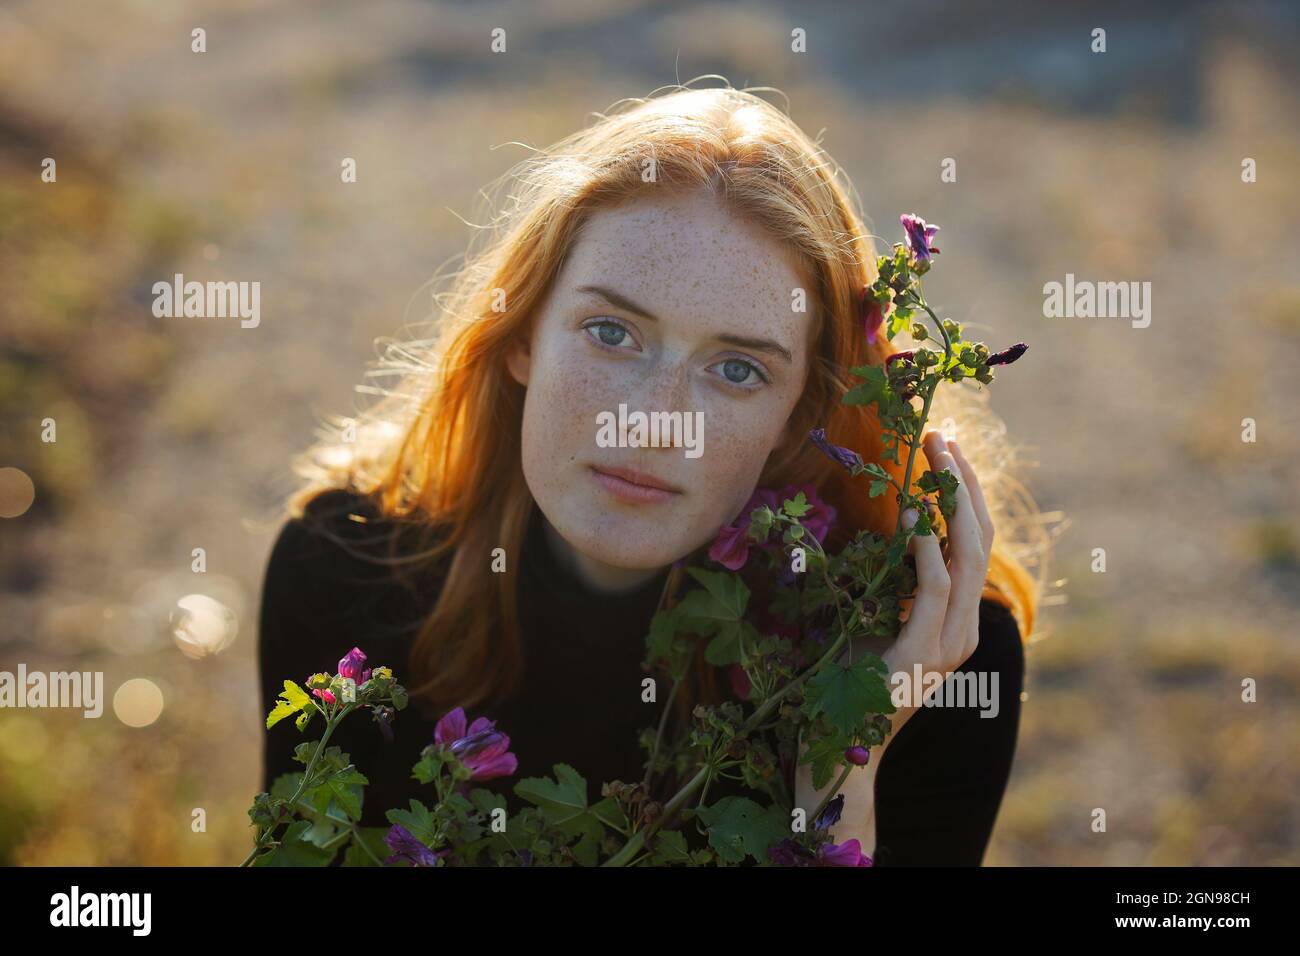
608	333
739	372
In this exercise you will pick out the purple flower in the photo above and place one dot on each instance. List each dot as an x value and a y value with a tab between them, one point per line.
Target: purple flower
846	457
351	664
858	756
1007	356
482	748
919	235
848	853
731	546
831	815
406	847
791	853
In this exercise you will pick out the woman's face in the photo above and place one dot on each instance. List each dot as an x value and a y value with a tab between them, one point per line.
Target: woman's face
665	304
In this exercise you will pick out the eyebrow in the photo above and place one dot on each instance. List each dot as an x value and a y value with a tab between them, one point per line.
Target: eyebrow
743	341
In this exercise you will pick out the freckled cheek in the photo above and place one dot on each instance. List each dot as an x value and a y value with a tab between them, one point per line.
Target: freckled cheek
565	394
737	442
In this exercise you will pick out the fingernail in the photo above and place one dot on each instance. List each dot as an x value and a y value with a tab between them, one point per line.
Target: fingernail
909	517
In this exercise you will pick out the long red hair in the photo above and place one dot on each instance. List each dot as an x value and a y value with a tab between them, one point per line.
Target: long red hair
442	448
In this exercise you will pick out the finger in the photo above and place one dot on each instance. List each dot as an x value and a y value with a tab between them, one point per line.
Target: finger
963	528
932	583
968	568
976	496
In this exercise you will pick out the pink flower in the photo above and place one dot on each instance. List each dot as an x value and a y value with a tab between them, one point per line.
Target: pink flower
731	546
848	853
876	305
482	748
324	694
919	236
350	666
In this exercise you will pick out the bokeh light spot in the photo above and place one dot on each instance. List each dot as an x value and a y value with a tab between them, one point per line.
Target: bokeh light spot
138	702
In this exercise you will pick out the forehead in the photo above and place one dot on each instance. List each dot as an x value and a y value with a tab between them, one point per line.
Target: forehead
688	256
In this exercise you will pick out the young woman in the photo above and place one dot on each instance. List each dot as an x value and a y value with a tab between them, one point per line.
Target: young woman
471	532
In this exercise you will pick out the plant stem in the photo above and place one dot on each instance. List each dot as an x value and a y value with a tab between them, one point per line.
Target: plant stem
659	734
306	774
638	839
830	795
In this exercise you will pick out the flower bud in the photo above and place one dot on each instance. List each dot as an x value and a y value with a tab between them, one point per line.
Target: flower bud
845	457
900	357
352	666
1009	355
857	755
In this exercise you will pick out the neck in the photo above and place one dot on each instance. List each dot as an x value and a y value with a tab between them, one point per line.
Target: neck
595	574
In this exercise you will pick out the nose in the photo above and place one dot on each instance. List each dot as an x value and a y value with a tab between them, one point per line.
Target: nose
667	387
667	390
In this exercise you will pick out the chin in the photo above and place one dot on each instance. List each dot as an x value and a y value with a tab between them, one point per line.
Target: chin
635	543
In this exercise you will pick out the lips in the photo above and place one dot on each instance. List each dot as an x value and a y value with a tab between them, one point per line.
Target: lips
633	486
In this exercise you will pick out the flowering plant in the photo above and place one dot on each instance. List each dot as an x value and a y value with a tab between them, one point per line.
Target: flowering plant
796	700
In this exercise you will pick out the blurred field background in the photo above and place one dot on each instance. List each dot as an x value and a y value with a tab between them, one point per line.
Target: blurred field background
176	433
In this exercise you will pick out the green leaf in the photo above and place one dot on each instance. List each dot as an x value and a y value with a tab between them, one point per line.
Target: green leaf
321	831
590	831
419	820
878	488
738	827
560	800
669	847
875	387
294	850
846	695
663	628
796	507
294	700
729	593
725	648
345	789
609	813
374	840
825	754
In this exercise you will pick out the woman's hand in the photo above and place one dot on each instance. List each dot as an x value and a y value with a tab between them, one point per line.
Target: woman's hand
941	632
942	629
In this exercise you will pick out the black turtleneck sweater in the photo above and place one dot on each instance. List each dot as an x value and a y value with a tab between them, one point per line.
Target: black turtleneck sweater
938	787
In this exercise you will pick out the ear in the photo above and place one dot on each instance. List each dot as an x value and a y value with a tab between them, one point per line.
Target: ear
519	361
